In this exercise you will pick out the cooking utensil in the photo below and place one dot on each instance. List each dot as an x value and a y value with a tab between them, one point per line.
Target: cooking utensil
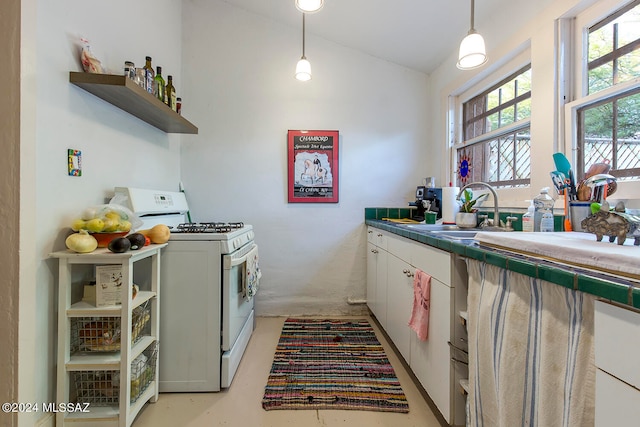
597	168
559	181
563	165
567	211
600	186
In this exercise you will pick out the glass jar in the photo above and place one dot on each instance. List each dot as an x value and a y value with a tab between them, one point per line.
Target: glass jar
130	70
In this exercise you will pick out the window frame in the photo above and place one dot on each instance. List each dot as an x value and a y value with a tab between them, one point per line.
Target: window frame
513	66
587	19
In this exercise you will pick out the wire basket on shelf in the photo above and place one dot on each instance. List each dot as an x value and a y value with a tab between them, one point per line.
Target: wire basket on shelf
98	388
143	371
102	334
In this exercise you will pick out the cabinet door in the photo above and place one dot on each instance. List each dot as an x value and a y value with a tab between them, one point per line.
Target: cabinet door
617	403
430	359
399	304
380	309
372	276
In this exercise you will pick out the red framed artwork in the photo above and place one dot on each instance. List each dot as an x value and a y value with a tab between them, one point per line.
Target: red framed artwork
313	166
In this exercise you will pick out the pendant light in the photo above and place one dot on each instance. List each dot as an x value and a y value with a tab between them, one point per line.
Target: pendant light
303	69
472	50
309	6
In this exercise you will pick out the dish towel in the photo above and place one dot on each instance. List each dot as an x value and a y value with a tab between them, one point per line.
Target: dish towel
531	352
419	321
253	273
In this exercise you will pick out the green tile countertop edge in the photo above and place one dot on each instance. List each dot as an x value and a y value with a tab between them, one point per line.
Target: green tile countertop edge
602	285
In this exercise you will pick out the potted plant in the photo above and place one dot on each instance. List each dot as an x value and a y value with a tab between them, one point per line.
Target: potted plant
467	217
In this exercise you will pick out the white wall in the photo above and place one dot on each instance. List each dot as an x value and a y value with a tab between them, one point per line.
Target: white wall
117	148
240	91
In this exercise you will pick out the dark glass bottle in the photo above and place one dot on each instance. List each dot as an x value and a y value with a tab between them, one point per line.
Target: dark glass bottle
171	93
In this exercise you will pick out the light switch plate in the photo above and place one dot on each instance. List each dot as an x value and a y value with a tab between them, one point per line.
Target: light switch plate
75	162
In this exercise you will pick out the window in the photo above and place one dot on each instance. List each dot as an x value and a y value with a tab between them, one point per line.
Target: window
607	125
496	145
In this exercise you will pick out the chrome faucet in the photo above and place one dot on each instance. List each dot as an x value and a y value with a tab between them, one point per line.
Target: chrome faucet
497	226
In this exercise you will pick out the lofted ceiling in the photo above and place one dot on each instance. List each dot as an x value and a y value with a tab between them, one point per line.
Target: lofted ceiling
417	34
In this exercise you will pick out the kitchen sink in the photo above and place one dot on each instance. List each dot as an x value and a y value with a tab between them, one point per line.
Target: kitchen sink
456	234
432	227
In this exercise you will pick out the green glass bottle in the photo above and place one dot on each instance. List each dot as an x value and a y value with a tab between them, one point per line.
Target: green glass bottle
159	85
171	93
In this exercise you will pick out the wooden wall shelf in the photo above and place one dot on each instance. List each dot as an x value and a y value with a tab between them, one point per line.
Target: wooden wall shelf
125	94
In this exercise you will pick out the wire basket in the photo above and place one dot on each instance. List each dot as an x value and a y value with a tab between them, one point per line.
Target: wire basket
98	388
102	334
143	371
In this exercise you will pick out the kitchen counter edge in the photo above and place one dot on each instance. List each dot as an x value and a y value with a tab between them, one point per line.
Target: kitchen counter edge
613	288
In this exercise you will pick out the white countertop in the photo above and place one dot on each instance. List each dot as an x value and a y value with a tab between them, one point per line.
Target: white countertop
574	248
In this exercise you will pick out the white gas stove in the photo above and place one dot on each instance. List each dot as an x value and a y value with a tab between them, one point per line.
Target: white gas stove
208	276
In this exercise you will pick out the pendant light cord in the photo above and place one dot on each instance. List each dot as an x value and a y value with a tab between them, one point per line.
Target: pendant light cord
303	31
472	29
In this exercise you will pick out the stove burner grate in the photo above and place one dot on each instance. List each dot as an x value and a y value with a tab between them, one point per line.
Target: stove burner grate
208	227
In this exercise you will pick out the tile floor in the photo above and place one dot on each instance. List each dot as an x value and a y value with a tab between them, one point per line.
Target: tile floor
240	405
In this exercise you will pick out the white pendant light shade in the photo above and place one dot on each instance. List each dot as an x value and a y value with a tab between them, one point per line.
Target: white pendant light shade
309	6
472	52
303	70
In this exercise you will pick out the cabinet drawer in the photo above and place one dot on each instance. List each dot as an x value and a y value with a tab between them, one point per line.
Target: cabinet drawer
435	262
616	332
377	237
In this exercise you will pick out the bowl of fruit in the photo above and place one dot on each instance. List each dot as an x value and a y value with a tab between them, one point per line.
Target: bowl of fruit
105	223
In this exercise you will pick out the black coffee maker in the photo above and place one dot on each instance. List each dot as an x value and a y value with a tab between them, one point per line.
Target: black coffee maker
427	199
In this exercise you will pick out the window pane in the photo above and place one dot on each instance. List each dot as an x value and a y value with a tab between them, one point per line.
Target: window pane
524	82
506	158
492	160
600	42
629	26
629	66
601	77
507	116
508	91
523	158
524	109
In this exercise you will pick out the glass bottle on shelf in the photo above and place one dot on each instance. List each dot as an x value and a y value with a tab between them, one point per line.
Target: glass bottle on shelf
150	75
179	105
159	85
171	93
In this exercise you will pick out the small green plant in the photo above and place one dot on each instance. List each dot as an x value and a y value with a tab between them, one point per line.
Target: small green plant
469	202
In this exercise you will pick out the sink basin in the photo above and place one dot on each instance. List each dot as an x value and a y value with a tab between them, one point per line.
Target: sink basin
456	234
431	227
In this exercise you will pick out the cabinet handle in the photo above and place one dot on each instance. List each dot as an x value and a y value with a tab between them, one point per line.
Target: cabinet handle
408	273
370	231
379	234
374	251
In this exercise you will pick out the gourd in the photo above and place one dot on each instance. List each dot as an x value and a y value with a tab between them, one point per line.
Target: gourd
157	234
81	242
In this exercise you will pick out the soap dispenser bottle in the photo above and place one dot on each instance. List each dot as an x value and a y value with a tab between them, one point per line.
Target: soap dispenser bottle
528	218
543	204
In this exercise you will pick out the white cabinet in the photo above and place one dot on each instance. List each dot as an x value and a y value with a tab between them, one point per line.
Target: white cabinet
107	356
400	304
616	332
377	259
429	360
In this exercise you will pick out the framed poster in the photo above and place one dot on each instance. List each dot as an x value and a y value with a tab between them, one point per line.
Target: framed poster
313	166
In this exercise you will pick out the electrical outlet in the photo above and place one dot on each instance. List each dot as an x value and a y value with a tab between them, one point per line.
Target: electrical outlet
75	162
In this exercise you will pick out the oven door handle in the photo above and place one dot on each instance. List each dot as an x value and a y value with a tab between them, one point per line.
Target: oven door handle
243	259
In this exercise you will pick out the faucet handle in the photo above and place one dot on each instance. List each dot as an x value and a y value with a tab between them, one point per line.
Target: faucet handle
510	219
484	220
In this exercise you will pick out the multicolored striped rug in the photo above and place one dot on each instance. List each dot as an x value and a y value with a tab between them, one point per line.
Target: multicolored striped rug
332	364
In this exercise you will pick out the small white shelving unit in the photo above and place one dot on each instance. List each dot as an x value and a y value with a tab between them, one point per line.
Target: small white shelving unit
110	402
